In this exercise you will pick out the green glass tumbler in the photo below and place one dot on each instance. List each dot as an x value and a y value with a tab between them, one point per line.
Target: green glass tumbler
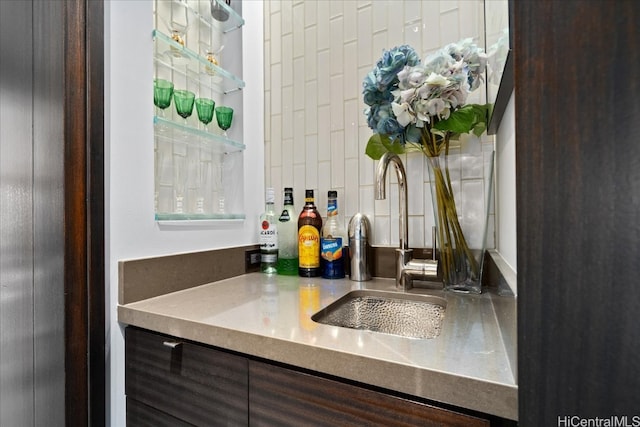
224	116
204	107
184	100
162	93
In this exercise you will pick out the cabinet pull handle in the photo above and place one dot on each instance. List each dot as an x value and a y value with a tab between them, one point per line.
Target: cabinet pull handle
172	344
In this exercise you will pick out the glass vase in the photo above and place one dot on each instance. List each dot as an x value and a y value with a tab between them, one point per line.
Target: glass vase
461	187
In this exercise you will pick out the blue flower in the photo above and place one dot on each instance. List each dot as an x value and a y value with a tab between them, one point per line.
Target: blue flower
372	94
392	62
389	126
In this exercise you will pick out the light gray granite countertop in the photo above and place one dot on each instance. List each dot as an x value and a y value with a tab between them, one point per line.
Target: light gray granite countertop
470	364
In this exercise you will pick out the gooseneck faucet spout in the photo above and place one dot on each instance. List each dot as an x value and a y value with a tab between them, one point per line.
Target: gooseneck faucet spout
380	190
407	268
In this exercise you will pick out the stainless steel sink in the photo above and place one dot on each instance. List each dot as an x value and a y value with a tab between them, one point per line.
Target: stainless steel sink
402	314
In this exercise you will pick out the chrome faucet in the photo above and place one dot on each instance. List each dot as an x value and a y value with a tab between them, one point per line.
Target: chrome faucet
407	269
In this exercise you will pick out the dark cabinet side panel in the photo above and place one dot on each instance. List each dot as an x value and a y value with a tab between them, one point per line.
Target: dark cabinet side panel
194	383
283	397
578	201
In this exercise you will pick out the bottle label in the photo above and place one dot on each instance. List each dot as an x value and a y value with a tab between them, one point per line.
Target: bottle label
269	258
308	247
332	208
331	248
268	238
284	216
332	260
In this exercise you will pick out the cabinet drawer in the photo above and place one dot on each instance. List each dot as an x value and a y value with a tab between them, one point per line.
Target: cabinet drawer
194	383
141	415
283	397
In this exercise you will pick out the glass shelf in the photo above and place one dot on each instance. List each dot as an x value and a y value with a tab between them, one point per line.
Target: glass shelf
187	219
176	132
233	22
173	55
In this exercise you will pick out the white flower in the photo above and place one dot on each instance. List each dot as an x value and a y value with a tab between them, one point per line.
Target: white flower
411	77
425	92
436	80
422	110
403	113
406	96
435	106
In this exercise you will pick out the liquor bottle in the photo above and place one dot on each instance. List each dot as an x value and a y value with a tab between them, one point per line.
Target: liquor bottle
288	237
333	237
268	237
309	226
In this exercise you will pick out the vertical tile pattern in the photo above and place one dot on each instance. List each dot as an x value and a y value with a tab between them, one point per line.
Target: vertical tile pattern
317	53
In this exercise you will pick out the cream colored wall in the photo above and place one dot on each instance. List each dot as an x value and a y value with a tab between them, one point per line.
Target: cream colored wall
316	56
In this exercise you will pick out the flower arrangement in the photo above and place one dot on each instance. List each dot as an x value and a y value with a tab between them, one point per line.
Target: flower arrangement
415	106
421	106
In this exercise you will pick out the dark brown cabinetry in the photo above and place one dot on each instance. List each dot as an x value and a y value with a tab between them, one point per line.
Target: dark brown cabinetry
187	381
284	397
172	382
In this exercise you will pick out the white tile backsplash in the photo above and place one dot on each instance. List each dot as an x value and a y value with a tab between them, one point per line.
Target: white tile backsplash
298	137
311	108
351	146
267	115
395	25
449	27
350	16
336	8
287	59
336	45
267	65
337	160
298	30
298	84
276	42
310	61
310	14
350	71
337	103
286	11
364	36
412	11
379	14
311	163
287	162
324	78
276	89
324	133
316	56
276	141
413	33
287	112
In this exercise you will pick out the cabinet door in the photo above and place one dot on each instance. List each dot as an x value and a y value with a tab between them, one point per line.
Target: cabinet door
282	397
194	383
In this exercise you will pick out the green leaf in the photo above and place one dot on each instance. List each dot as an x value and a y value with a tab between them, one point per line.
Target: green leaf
470	118
379	144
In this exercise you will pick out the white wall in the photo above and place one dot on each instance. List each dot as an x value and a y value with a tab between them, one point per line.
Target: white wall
506	187
131	229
